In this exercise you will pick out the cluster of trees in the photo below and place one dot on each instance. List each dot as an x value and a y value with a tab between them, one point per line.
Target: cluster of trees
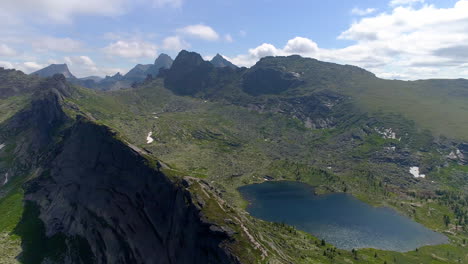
458	202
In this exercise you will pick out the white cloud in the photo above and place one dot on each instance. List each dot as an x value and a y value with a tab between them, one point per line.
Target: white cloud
131	49
405	2
174	43
45	44
6	64
362	12
170	3
32	66
264	50
200	31
407	42
27	67
228	38
62	11
301	45
82	66
79	60
6	51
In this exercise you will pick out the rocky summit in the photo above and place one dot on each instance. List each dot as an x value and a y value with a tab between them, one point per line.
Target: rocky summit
53	69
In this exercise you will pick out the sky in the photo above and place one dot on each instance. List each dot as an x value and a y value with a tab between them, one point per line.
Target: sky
395	39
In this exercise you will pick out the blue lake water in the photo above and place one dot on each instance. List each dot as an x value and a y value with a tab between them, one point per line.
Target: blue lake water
340	219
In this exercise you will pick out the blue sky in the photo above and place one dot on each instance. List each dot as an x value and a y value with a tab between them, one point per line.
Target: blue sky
403	39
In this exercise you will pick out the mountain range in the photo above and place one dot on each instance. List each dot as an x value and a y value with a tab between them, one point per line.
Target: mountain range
150	174
137	74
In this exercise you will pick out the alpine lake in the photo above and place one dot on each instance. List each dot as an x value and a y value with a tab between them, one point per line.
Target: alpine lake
338	218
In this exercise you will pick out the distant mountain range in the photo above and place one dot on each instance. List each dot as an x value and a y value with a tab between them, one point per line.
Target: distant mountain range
137	74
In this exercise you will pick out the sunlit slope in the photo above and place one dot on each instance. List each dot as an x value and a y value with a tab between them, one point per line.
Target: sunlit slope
438	105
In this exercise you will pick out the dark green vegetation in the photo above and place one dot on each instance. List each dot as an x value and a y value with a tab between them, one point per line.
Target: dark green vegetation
335	127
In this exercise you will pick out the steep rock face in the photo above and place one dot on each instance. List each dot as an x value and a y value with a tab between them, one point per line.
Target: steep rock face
315	111
35	125
162	62
142	71
189	74
138	73
53	69
99	189
260	80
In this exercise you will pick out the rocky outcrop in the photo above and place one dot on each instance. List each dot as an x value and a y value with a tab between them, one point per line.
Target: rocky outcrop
137	73
260	80
100	189
13	82
460	153
92	188
163	61
35	127
191	75
316	111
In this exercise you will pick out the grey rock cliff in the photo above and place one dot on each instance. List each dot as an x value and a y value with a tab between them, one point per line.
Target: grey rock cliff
100	189
53	69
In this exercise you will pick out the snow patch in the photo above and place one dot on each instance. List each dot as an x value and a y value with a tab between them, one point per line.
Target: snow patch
452	155
415	172
149	139
296	74
387	133
6	179
2	145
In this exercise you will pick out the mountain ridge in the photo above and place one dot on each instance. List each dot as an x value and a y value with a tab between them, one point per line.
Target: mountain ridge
53	69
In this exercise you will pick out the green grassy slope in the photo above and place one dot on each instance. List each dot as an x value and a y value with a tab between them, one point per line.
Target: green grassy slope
230	146
438	105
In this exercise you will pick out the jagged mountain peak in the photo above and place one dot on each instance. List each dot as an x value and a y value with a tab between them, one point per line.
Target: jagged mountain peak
189	58
53	69
164	59
220	62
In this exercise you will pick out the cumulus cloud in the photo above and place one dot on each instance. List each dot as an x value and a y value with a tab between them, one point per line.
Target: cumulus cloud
44	44
27	67
63	11
362	12
407	42
6	51
132	49
174	43
297	45
301	46
199	31
82	66
6	64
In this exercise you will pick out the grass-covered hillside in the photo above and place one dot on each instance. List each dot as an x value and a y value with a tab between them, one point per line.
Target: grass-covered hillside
338	128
